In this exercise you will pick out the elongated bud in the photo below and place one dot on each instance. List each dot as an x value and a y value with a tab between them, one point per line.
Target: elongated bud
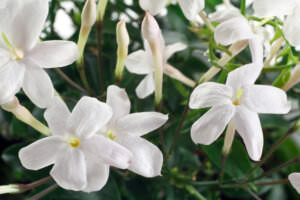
89	13
10	189
123	42
229	136
101	8
151	32
294	79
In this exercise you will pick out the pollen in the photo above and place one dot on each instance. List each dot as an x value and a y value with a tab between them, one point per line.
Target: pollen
110	135
73	142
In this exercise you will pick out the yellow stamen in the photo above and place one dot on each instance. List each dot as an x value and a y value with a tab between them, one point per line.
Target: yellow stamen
238	97
110	135
73	142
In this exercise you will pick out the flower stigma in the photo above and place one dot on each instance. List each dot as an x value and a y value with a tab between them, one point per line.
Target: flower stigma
110	135
18	54
73	142
238	97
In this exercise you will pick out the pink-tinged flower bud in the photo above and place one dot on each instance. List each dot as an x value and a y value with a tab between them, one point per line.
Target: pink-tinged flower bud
150	29
89	13
294	79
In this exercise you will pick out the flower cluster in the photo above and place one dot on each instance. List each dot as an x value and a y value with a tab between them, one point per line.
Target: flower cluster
84	144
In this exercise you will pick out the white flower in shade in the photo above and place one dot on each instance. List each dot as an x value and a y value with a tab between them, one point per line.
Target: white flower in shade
141	62
22	57
238	101
287	10
126	129
294	179
81	157
190	8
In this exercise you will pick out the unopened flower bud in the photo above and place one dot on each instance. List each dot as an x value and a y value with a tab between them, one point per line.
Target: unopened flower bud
101	9
89	13
294	79
10	189
150	29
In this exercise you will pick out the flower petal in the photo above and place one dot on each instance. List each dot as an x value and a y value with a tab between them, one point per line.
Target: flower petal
146	87
271	8
294	178
292	31
69	170
30	18
224	12
139	62
88	116
41	153
210	94
138	124
153	6
51	54
244	76
247	124
233	30
11	76
173	48
211	125
57	116
266	99
97	174
38	87
107	150
256	48
118	100
191	8
147	159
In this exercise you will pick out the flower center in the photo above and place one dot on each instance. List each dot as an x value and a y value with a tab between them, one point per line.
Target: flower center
238	97
110	135
17	54
74	142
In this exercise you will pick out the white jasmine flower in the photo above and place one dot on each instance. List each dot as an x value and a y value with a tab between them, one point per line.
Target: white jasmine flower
141	62
23	57
81	157
238	101
190	8
294	179
126	129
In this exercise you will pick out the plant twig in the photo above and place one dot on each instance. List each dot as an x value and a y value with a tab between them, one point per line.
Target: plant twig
43	193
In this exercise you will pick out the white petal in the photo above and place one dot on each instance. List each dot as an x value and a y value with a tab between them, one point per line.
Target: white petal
4	57
270	8
146	87
118	100
138	124
38	87
51	54
244	76
256	48
11	78
173	48
107	150
210	94
211	125
153	6
69	170
294	178
266	99
139	62
57	116
147	159
224	12
247	124
97	174
88	116
191	8
30	18
41	153
291	30
232	31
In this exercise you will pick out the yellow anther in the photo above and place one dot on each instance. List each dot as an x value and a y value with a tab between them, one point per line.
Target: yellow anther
238	97
73	142
110	135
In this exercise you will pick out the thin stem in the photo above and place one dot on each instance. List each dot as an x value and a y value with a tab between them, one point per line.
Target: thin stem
82	73
278	182
70	82
252	193
100	54
272	150
43	193
206	21
161	134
